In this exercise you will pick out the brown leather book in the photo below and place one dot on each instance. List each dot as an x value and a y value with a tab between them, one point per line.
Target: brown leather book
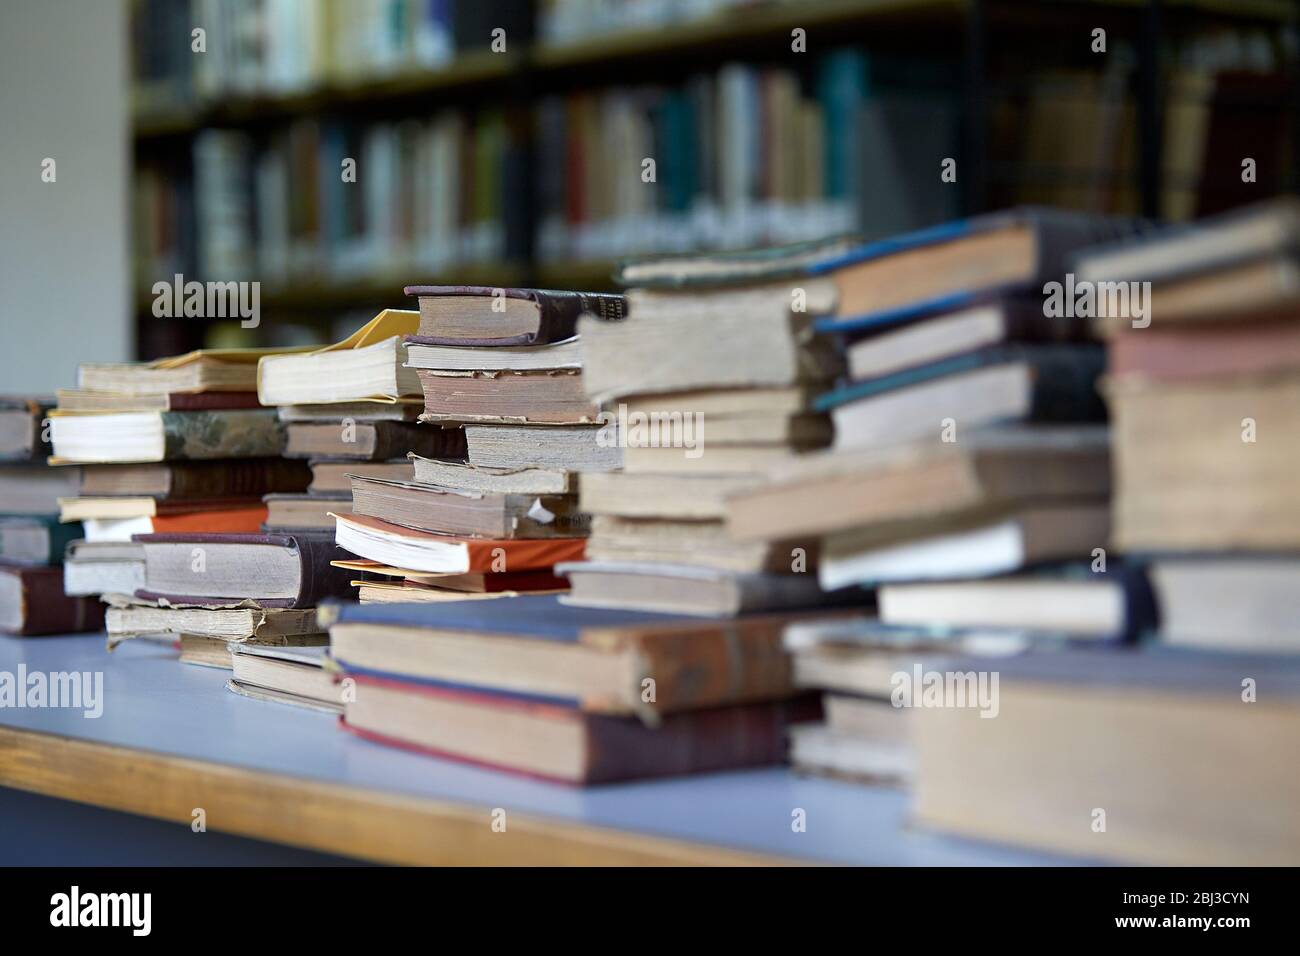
485	315
197	480
560	743
1209	349
32	602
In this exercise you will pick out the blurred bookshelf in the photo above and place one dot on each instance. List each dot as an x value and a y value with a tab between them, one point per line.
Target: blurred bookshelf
525	166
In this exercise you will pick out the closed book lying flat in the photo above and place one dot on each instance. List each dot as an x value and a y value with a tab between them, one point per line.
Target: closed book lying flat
366	366
690	589
189	480
267	625
946	336
32	602
537	647
682	496
225	521
449	473
550	447
1044	383
405	410
1079	604
448	511
950	265
1229	602
974	547
409	592
125	506
554	397
671	342
33	488
473	582
335	477
730	268
206	370
1160	739
564	744
422	352
91	568
304	512
81	400
909	485
371	441
1204	351
288	675
272	570
216	652
35	539
483	315
21	433
425	551
159	436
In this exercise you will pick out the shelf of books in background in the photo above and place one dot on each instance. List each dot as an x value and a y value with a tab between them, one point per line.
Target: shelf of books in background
174	458
32	540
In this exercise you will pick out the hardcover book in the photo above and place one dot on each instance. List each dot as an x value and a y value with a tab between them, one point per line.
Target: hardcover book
483	315
32	602
271	570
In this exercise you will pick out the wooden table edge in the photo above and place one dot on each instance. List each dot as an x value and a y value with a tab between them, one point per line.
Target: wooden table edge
373	825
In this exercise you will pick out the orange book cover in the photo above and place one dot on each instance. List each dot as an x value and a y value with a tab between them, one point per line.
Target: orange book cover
229	520
486	555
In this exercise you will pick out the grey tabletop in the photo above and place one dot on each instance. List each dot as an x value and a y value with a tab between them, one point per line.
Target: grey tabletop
153	702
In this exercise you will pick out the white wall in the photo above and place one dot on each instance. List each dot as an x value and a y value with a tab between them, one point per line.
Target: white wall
64	284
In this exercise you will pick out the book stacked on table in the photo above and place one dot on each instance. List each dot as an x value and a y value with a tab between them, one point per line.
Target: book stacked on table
1204	392
578	695
968	476
179	444
32	540
499	369
348	409
704	386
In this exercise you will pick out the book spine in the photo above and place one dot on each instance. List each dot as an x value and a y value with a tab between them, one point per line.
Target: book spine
560	311
724	738
250	478
1065	383
319	579
47	610
229	434
396	439
711	665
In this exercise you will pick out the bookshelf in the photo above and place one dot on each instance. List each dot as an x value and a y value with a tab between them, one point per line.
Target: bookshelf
978	52
172	738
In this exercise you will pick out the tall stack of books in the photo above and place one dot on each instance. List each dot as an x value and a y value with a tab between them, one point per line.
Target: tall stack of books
174	457
499	369
705	386
1203	396
969	448
32	540
348	408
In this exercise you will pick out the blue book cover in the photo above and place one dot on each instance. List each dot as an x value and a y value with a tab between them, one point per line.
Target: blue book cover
539	616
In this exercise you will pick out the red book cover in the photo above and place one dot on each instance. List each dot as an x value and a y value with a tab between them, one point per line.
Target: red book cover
32	602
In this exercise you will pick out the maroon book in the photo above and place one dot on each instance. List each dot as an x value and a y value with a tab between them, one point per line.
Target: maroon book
488	315
557	742
32	602
271	570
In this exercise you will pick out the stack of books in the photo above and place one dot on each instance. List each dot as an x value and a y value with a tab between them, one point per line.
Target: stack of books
705	387
347	409
32	540
1203	391
175	457
493	513
571	694
968	472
